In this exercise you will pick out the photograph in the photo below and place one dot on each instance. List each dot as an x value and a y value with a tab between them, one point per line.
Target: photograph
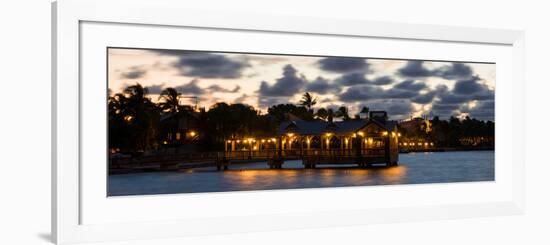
202	121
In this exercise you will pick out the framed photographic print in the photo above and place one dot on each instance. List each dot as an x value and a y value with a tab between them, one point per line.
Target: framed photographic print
185	121
175	125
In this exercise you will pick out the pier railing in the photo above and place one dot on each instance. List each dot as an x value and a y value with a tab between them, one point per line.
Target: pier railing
246	155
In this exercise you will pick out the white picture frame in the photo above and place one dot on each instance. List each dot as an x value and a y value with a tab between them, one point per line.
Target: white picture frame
68	196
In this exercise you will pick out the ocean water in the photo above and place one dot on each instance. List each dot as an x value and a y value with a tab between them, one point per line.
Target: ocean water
414	168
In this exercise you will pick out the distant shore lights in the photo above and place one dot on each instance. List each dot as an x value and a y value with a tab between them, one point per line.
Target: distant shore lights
417	144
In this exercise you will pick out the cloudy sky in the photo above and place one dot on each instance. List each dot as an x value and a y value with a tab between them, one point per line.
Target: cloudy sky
404	88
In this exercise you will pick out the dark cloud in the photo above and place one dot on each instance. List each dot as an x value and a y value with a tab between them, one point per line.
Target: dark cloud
155	89
446	103
351	79
323	86
270	101
411	85
343	64
425	98
395	93
444	110
484	110
454	102
396	108
190	88
469	86
384	80
454	71
446	96
218	88
368	92
206	64
450	98
134	72
360	93
414	69
288	85
485	94
473	89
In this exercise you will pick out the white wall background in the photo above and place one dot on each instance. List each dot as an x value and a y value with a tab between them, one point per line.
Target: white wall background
25	136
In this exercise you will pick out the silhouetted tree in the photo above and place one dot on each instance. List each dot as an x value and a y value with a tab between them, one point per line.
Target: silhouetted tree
365	110
322	113
343	113
308	101
280	112
169	100
331	115
134	120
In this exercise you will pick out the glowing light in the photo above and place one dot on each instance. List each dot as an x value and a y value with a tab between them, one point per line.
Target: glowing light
426	144
361	134
273	139
328	134
393	134
432	143
165	142
354	135
229	141
128	118
405	143
192	133
385	133
263	140
370	140
399	134
238	141
290	134
255	148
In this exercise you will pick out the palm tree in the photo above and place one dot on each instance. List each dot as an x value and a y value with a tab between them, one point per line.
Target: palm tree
142	116
136	92
343	113
308	101
331	114
170	100
365	111
322	113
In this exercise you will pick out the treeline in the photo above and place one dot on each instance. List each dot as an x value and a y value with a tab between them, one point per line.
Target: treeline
454	132
136	121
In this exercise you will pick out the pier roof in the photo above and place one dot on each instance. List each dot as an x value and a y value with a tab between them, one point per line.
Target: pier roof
320	127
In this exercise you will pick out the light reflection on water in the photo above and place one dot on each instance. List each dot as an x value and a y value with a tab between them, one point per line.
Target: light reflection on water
438	167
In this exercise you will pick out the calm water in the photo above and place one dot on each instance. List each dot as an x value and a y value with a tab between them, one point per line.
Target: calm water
414	168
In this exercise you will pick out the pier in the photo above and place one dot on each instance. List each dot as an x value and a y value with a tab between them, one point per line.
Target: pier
274	159
374	140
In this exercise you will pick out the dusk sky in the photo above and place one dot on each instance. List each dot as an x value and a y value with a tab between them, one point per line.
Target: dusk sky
403	88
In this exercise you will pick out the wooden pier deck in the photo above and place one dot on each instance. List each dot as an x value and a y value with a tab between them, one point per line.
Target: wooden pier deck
222	160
